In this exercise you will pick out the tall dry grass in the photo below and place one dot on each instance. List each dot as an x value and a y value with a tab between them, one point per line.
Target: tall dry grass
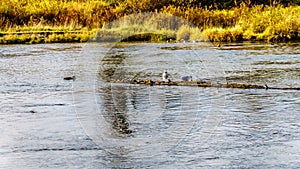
58	13
258	22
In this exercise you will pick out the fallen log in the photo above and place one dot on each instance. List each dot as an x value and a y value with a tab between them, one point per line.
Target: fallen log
206	84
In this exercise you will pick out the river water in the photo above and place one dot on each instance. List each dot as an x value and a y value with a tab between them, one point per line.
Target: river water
100	121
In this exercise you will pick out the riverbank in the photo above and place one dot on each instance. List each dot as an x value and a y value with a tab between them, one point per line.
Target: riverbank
30	21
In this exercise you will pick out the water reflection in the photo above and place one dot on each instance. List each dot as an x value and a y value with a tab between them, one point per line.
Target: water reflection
143	117
139	98
115	108
110	67
125	105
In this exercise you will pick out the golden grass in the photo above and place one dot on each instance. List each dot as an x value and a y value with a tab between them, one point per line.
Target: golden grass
224	35
270	23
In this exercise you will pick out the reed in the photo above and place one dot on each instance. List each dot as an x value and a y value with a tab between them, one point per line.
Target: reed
273	23
270	23
224	35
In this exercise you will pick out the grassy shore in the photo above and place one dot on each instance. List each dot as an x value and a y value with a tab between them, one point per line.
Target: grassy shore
32	21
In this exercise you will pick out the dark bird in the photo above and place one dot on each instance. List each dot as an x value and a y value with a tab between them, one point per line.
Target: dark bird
69	78
266	86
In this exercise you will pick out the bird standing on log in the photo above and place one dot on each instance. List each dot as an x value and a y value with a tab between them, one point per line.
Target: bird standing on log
187	78
165	75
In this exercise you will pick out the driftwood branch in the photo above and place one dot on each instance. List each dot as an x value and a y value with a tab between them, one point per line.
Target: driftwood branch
206	84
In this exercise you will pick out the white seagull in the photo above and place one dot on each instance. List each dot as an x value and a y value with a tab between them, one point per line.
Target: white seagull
165	75
187	78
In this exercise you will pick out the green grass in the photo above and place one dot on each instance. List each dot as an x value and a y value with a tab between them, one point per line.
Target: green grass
32	21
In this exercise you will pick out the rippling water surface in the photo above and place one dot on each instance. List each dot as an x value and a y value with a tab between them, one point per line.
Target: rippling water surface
100	121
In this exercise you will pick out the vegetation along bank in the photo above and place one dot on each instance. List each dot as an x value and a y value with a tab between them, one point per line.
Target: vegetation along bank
33	21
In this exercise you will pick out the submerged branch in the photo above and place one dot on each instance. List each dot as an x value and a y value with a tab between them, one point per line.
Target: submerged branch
206	84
